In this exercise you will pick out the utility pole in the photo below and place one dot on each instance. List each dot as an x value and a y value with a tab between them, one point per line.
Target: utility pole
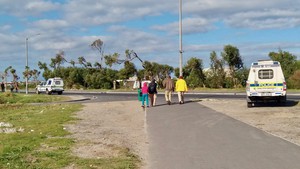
180	38
26	67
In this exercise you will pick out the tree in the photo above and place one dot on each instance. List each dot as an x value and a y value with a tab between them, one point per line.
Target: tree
32	73
82	61
6	72
98	45
35	74
97	65
216	74
297	64
58	60
47	71
14	74
287	60
295	80
111	59
194	72
232	56
129	70
72	62
165	70
89	65
148	69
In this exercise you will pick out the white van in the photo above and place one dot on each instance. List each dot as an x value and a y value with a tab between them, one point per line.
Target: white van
52	85
265	82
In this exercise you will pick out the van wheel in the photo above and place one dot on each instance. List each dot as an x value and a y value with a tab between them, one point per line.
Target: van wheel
284	99
37	92
48	92
59	93
249	104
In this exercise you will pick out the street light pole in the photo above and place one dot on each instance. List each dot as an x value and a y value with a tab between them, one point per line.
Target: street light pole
180	38
26	67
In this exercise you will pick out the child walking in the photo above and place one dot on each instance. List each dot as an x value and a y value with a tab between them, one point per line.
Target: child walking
145	95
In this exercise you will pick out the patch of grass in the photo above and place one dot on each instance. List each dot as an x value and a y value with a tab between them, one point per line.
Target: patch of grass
10	98
224	90
40	124
40	141
126	160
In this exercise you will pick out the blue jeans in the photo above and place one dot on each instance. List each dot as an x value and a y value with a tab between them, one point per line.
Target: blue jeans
145	97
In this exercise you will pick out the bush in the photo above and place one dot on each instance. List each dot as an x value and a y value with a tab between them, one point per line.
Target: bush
294	80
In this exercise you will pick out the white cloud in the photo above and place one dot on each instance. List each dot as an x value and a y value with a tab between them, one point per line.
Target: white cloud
138	40
40	6
5	27
266	19
189	26
27	7
90	12
46	24
255	14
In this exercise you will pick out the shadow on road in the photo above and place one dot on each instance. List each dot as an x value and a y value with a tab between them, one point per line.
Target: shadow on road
174	103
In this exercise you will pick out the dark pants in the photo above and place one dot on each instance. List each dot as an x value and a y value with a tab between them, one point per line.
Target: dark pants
152	99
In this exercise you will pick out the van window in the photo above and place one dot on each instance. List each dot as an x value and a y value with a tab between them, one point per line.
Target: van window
57	82
49	82
265	74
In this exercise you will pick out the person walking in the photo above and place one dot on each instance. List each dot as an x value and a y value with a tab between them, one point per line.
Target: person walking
145	95
11	86
16	85
2	87
181	88
168	84
152	90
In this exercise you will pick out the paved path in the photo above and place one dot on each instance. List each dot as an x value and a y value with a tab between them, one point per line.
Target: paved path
192	136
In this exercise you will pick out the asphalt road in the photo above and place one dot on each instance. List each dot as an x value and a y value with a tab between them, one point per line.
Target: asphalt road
121	96
192	136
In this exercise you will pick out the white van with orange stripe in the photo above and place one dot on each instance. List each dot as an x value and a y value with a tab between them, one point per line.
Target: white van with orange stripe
265	82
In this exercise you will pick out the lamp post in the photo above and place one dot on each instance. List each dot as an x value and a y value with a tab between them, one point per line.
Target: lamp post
180	38
26	67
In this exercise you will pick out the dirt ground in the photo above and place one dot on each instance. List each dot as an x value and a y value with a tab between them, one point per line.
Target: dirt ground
105	127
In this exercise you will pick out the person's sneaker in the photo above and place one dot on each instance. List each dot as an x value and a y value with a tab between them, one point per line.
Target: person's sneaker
147	106
143	106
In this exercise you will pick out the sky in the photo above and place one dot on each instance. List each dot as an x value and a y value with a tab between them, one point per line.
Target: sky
148	27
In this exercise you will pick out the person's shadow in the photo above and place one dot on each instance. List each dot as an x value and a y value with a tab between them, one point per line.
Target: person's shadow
175	103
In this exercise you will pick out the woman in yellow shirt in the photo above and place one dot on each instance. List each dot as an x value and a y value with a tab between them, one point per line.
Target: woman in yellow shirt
181	88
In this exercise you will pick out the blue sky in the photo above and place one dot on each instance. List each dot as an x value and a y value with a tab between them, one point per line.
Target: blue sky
149	27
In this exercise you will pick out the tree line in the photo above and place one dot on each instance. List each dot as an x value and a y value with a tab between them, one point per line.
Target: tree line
226	70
